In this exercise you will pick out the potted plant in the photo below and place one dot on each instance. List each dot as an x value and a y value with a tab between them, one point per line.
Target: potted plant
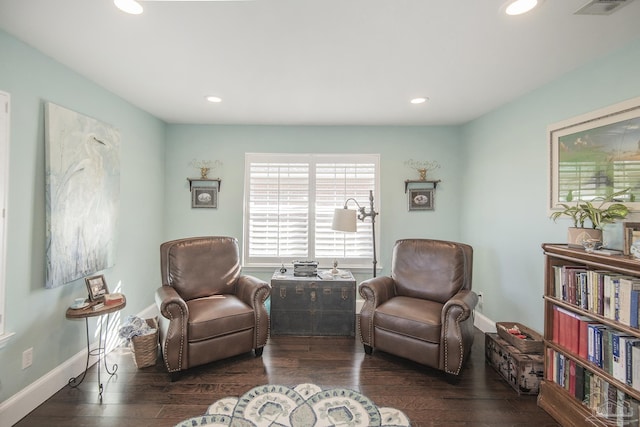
598	212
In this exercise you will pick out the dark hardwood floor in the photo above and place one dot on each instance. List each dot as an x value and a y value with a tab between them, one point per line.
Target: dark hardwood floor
146	397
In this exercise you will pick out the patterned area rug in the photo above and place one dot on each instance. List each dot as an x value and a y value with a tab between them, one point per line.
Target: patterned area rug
305	405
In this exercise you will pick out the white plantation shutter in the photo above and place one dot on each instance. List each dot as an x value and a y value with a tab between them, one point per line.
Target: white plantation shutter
289	204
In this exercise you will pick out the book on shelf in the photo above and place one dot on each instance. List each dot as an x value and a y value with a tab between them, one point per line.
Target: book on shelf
630	364
566	328
624	289
634	304
610	284
619	355
603	397
635	369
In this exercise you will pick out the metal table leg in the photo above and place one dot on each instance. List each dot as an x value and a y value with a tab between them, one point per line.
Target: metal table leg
100	352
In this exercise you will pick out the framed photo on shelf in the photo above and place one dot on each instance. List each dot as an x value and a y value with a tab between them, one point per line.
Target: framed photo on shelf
204	197
421	199
631	235
97	287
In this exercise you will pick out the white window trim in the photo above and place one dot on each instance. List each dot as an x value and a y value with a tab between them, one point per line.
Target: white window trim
317	158
5	121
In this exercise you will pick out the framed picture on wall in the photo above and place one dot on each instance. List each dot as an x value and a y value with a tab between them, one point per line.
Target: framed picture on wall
596	155
97	287
421	199
204	197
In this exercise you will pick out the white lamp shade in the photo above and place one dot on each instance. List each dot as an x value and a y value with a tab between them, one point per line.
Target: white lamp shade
344	220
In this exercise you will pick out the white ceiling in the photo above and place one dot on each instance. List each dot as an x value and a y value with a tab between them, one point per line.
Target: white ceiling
325	62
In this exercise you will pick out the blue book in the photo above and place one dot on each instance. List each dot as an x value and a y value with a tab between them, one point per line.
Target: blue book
630	343
635	299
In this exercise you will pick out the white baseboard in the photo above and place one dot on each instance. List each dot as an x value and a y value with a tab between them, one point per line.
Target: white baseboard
29	398
483	323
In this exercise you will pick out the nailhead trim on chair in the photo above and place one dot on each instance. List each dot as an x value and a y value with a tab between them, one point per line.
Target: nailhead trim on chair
256	331
375	304
166	349
446	347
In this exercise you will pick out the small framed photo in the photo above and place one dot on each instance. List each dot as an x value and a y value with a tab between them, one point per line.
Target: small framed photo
631	236
421	199
204	197
97	287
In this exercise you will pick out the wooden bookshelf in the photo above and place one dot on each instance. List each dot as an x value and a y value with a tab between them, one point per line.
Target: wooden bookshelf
562	399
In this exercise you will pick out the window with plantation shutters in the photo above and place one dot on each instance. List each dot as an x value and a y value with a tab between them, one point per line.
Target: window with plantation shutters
289	204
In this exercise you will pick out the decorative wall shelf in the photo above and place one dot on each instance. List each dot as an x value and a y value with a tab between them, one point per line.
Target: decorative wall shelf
432	184
196	180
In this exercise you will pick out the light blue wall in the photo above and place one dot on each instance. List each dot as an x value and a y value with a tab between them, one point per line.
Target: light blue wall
506	182
34	313
394	144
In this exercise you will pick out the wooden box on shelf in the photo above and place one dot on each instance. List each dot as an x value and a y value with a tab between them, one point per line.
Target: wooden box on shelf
581	384
521	370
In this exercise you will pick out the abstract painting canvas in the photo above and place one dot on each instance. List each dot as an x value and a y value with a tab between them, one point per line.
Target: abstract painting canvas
83	194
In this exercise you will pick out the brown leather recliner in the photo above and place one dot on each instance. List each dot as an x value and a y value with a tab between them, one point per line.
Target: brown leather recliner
423	312
209	310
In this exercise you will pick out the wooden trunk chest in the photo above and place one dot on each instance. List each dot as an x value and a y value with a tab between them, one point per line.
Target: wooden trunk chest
312	306
523	371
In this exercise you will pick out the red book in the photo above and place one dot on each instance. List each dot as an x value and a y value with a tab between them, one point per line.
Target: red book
569	330
583	336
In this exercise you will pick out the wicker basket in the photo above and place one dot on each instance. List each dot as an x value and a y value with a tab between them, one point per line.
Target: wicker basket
532	345
145	347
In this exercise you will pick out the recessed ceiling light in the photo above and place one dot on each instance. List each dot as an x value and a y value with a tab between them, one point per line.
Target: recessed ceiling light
419	100
212	98
128	6
518	7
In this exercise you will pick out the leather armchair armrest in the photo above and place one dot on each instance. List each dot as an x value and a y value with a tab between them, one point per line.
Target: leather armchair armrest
165	297
254	292
457	330
377	290
173	328
466	300
374	291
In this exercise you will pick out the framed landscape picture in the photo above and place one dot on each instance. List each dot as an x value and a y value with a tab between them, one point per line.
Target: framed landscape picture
596	155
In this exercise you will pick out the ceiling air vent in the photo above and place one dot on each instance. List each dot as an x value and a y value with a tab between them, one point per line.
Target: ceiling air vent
602	7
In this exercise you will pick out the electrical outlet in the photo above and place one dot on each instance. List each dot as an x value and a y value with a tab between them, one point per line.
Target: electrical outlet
27	358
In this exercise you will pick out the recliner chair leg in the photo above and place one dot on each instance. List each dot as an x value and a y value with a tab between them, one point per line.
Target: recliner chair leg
258	351
368	349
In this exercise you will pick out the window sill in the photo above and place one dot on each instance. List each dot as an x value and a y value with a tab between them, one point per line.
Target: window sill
4	339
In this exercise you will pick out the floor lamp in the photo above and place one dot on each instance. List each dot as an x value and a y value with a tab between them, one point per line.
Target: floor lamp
345	220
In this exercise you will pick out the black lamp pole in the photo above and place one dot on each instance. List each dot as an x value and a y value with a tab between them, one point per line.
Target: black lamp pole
372	213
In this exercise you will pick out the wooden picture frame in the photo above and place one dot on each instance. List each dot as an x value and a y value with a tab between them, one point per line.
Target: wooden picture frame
421	199
595	155
631	235
204	197
97	287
